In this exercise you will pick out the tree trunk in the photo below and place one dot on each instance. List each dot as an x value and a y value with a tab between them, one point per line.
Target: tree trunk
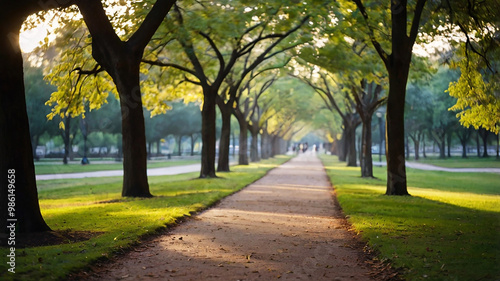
135	179
398	67
416	144
71	142
341	148
225	139
416	138
16	152
192	145
122	60
442	147
208	136
350	145
243	142
464	149
366	147
478	145
243	138
448	138
484	136
395	128
283	148
274	145
66	138
264	145
254	146
423	148
234	144
498	147
179	145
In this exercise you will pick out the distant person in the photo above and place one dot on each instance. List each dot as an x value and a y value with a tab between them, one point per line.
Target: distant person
85	161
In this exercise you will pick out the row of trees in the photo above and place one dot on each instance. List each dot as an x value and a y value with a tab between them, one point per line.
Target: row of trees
352	70
146	55
427	114
181	121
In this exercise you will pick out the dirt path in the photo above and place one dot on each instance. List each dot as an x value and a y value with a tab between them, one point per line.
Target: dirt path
285	226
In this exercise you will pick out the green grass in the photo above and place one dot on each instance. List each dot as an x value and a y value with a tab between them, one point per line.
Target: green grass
459	162
59	168
447	230
96	205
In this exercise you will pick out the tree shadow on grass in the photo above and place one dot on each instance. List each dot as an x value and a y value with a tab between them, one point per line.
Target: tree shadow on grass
50	238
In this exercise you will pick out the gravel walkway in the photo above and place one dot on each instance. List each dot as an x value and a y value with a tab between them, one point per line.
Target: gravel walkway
285	226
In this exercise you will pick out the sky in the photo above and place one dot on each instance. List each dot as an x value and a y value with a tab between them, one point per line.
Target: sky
30	39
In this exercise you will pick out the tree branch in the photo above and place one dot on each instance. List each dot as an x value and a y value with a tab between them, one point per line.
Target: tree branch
419	8
97	68
155	17
187	45
164	64
383	55
222	63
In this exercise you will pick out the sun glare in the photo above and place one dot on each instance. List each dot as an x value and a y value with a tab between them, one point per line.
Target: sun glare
30	39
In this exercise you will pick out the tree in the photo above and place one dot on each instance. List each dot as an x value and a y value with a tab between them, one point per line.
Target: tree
248	113
464	135
184	120
397	64
107	120
37	93
288	114
418	114
368	100
206	51
359	75
484	134
121	60
322	82
228	97
68	134
250	110
15	145
443	121
477	95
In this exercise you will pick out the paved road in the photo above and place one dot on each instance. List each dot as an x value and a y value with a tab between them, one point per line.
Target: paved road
117	173
196	167
429	167
284	226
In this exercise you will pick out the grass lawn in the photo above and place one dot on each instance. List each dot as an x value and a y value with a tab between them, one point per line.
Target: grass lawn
459	162
447	230
42	168
96	205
